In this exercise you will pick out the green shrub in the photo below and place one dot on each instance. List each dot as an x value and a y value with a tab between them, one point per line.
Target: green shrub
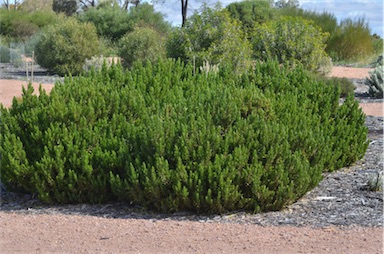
20	25
63	47
145	15
251	13
211	36
352	41
292	40
67	7
375	81
111	22
161	137
325	20
346	86
4	54
141	45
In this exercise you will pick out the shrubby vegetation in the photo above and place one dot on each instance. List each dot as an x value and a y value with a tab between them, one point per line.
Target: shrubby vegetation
352	41
347	88
145	15
63	47
20	25
214	37
251	13
143	44
167	139
111	22
292	40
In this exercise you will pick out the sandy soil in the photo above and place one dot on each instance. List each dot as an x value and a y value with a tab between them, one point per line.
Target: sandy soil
82	234
85	234
13	88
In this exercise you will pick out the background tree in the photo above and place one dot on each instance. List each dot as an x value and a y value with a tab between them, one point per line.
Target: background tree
88	3
251	12
19	25
287	4
37	5
111	21
68	7
12	4
145	14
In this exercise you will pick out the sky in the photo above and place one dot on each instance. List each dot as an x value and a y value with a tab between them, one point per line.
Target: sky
371	10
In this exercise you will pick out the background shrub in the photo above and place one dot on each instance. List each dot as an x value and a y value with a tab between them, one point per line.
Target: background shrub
20	25
325	20
63	47
111	22
144	14
251	13
160	137
292	40
347	88
211	36
352	41
4	54
142	44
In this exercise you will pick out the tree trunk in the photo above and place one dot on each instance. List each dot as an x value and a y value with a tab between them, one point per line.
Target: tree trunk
184	7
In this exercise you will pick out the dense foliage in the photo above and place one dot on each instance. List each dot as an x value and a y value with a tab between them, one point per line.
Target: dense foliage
251	12
162	137
143	44
292	40
110	21
211	36
20	25
63	47
352	41
346	86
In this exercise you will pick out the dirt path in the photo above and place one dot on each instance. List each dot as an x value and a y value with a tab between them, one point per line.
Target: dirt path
20	233
82	234
13	88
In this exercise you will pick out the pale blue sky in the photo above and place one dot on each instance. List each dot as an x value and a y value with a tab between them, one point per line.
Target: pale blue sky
371	10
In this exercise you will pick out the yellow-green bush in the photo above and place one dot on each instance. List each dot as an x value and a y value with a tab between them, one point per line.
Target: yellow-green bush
161	137
351	41
292	40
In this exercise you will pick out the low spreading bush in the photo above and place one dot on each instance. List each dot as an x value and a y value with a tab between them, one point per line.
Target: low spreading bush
165	138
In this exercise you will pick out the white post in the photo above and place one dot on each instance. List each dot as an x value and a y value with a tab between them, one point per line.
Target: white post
26	66
33	63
